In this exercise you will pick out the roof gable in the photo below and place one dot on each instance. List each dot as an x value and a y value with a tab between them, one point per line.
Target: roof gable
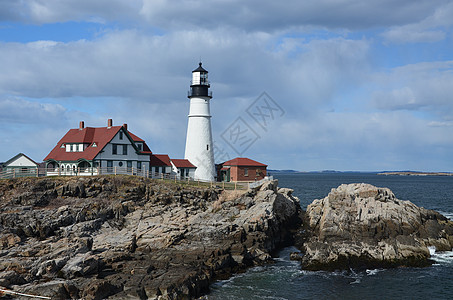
18	157
243	161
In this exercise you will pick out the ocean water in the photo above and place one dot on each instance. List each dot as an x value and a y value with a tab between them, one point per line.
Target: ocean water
285	280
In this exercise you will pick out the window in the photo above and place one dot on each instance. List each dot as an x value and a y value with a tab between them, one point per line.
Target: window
124	149
129	164
139	165
109	163
157	169
114	149
139	146
246	172
120	164
71	148
207	147
121	135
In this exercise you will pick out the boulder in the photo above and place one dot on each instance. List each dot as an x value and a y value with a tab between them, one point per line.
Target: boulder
363	226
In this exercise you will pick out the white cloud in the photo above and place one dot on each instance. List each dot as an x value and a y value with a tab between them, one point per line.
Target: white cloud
413	34
17	110
52	11
253	15
429	29
267	15
363	142
421	86
441	124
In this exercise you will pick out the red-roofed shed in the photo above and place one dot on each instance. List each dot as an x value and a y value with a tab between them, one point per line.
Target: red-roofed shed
160	163
242	169
183	168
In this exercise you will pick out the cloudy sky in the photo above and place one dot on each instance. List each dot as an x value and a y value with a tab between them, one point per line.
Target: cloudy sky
306	85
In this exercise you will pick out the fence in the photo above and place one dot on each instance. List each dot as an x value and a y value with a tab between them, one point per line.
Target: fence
41	172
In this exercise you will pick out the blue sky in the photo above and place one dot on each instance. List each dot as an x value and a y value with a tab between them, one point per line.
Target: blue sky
355	85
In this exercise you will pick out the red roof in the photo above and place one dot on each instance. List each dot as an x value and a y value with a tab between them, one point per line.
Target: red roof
135	138
157	160
182	163
243	161
100	136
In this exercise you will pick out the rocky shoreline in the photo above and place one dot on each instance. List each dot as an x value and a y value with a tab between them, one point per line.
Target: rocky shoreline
121	237
124	237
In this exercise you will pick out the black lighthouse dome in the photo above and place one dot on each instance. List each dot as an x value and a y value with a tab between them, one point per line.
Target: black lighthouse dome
200	68
199	86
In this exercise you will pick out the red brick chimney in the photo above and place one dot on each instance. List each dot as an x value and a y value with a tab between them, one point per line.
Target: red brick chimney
125	126
109	123
81	125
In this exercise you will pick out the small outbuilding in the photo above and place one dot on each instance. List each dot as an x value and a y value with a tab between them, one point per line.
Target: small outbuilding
159	165
183	168
241	169
19	166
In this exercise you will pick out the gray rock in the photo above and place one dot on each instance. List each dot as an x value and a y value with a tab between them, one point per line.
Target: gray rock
360	225
80	265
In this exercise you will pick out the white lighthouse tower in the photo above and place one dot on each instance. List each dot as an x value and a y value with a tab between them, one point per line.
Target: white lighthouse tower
199	135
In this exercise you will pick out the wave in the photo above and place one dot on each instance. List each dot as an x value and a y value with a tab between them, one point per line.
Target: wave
373	271
444	257
449	215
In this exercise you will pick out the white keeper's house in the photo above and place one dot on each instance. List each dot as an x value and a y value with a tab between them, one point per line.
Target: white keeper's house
90	149
108	150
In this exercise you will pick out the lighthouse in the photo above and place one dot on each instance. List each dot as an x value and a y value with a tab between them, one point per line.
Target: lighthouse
199	150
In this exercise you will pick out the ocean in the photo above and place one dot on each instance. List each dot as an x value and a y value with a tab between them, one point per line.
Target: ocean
284	279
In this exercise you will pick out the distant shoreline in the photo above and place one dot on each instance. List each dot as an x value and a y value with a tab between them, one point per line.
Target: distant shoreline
411	173
399	173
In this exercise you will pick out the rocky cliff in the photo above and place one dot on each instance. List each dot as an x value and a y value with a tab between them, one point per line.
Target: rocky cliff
363	226
125	237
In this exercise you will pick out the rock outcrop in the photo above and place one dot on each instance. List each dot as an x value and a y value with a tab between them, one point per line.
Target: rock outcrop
120	237
363	226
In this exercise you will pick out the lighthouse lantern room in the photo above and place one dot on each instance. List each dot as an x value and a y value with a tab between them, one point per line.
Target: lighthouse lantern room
200	83
199	150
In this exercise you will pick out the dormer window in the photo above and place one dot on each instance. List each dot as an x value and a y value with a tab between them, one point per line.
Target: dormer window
121	135
139	146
